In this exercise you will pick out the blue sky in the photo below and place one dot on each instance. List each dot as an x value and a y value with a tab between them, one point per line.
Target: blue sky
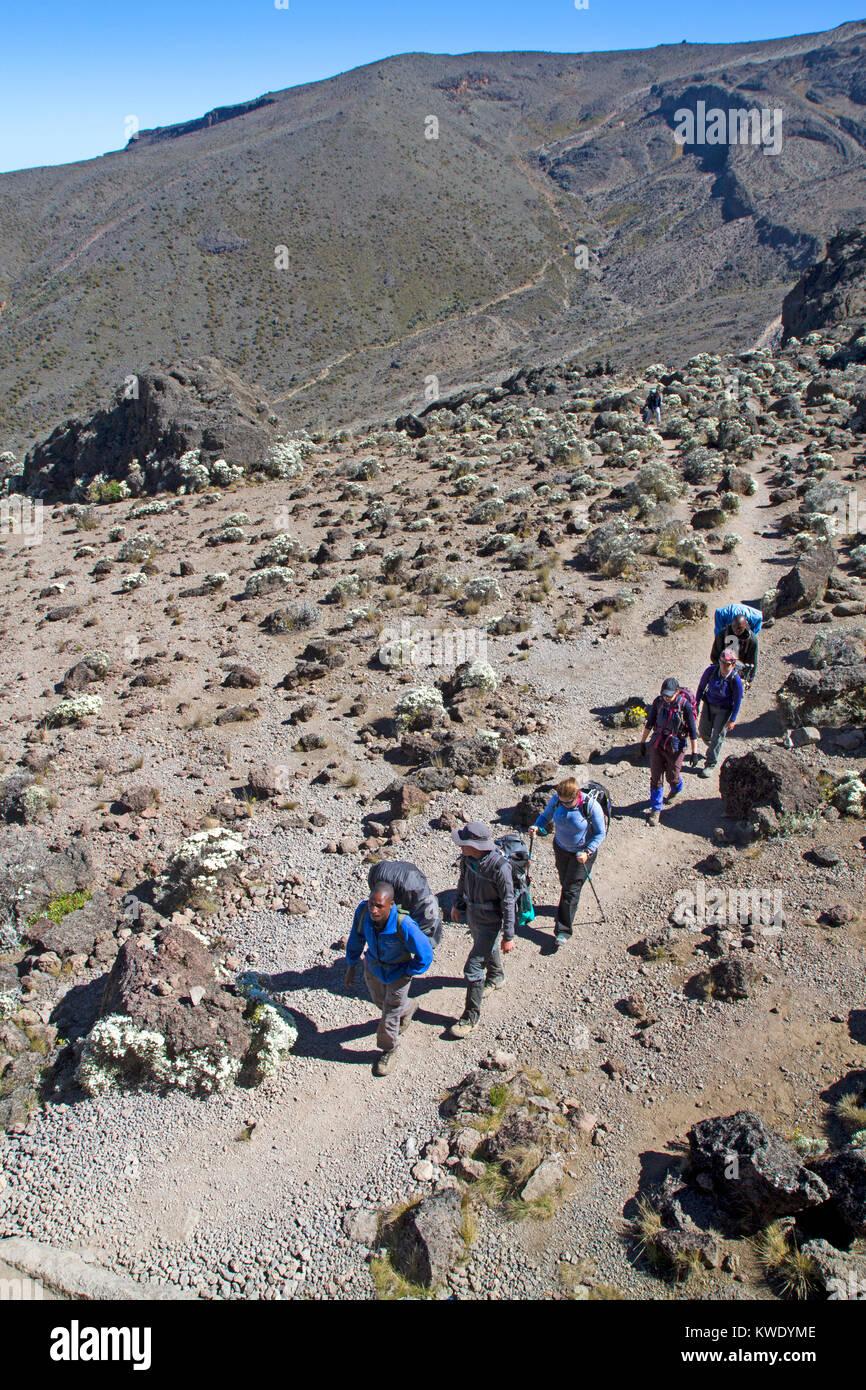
70	74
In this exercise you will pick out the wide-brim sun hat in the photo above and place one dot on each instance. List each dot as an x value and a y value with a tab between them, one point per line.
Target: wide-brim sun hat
475	834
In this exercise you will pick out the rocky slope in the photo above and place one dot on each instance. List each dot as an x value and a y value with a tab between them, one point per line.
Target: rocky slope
318	243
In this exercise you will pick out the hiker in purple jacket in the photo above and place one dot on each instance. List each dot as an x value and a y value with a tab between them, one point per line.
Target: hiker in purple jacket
720	693
670	721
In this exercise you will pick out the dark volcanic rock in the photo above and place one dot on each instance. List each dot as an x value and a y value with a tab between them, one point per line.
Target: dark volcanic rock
752	1170
831	290
181	963
429	1239
82	932
845	1175
806	582
772	777
687	610
831	698
200	405
32	875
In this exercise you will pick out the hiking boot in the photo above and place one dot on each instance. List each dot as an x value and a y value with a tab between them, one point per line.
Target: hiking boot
462	1027
705	771
674	792
384	1062
560	940
408	1016
490	986
653	818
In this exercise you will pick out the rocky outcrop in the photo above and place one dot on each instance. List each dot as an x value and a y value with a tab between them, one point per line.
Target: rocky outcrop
831	698
166	1020
752	1171
772	778
806	582
199	412
844	1174
831	291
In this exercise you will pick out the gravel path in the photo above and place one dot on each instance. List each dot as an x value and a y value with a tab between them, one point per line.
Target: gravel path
166	1187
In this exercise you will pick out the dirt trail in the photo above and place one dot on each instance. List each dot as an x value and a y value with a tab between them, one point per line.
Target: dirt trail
318	1122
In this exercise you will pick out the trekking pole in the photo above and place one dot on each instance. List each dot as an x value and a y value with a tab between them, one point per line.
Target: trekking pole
597	898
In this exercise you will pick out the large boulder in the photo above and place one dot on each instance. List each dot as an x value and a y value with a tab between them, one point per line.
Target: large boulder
844	1174
167	1021
806	582
833	697
201	407
751	1170
773	778
429	1238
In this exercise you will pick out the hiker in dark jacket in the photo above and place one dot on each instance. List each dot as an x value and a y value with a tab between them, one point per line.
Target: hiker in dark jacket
396	950
577	834
739	637
412	892
720	693
653	407
671	721
485	896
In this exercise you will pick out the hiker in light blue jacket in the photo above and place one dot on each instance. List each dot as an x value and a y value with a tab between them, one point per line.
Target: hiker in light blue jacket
577	833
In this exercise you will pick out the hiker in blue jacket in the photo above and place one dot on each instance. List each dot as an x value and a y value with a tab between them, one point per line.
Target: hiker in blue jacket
578	831
396	950
720	694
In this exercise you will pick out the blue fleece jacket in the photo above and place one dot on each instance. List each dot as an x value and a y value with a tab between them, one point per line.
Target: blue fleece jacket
571	829
390	952
724	692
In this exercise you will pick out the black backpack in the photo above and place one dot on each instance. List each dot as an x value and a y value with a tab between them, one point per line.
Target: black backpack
513	848
594	792
412	894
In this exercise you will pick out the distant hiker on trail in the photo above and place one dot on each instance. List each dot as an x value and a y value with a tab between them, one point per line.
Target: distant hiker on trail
653	407
721	691
578	831
670	721
396	950
739	637
485	894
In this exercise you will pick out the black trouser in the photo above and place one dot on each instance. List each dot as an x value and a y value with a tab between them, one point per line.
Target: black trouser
572	877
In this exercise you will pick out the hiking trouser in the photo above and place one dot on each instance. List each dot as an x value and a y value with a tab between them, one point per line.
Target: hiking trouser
712	728
484	963
572	877
664	763
393	1000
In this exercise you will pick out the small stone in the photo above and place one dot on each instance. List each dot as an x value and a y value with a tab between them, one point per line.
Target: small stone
196	995
423	1171
827	855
